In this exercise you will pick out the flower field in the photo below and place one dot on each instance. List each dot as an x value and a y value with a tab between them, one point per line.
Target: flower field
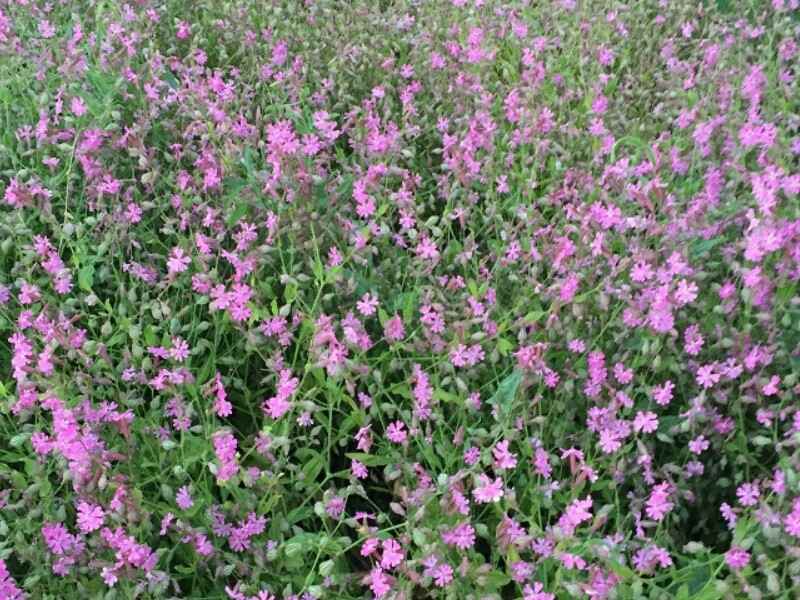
400	299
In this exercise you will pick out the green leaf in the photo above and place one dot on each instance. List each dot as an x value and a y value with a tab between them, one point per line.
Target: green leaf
507	390
699	579
619	569
86	278
171	80
535	315
369	460
741	531
699	247
237	214
312	469
504	346
290	292
298	514
496	580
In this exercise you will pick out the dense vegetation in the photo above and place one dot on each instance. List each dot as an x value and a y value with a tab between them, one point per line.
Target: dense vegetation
399	299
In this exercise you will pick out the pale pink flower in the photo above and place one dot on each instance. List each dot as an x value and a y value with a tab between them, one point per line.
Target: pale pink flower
184	499
737	558
90	517
396	432
392	554
503	458
178	261
488	490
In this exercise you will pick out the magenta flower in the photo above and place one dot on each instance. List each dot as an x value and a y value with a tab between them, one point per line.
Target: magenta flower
178	261
393	329
645	421
335	507
367	305
699	445
396	432
707	376
488	490
392	554
503	458
535	592
461	536
90	517
443	575
472	455
663	394
184	499
578	512
658	504
358	469
8	587
379	582
225	446
748	494
737	558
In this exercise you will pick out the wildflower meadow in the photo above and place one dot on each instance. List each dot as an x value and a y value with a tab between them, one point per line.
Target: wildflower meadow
400	299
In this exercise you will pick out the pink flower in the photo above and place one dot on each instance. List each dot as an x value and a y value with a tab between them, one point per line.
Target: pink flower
426	249
707	376
393	329
579	511
772	387
178	261
225	446
488	490
610	441
358	470
392	554
184	499
658	504
8	587
748	494
686	292
379	582
367	305
647	559
622	374
693	340
461	536
90	517
472	455
183	30
369	546
222	407
646	422
78	106
572	561
534	592
58	540
503	459
577	346
737	558
791	523
541	463
335	507
443	575
180	349
278	405
728	514
699	445
663	394
46	29
569	288
396	432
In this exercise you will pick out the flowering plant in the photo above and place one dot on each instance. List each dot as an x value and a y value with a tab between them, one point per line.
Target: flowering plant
470	299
